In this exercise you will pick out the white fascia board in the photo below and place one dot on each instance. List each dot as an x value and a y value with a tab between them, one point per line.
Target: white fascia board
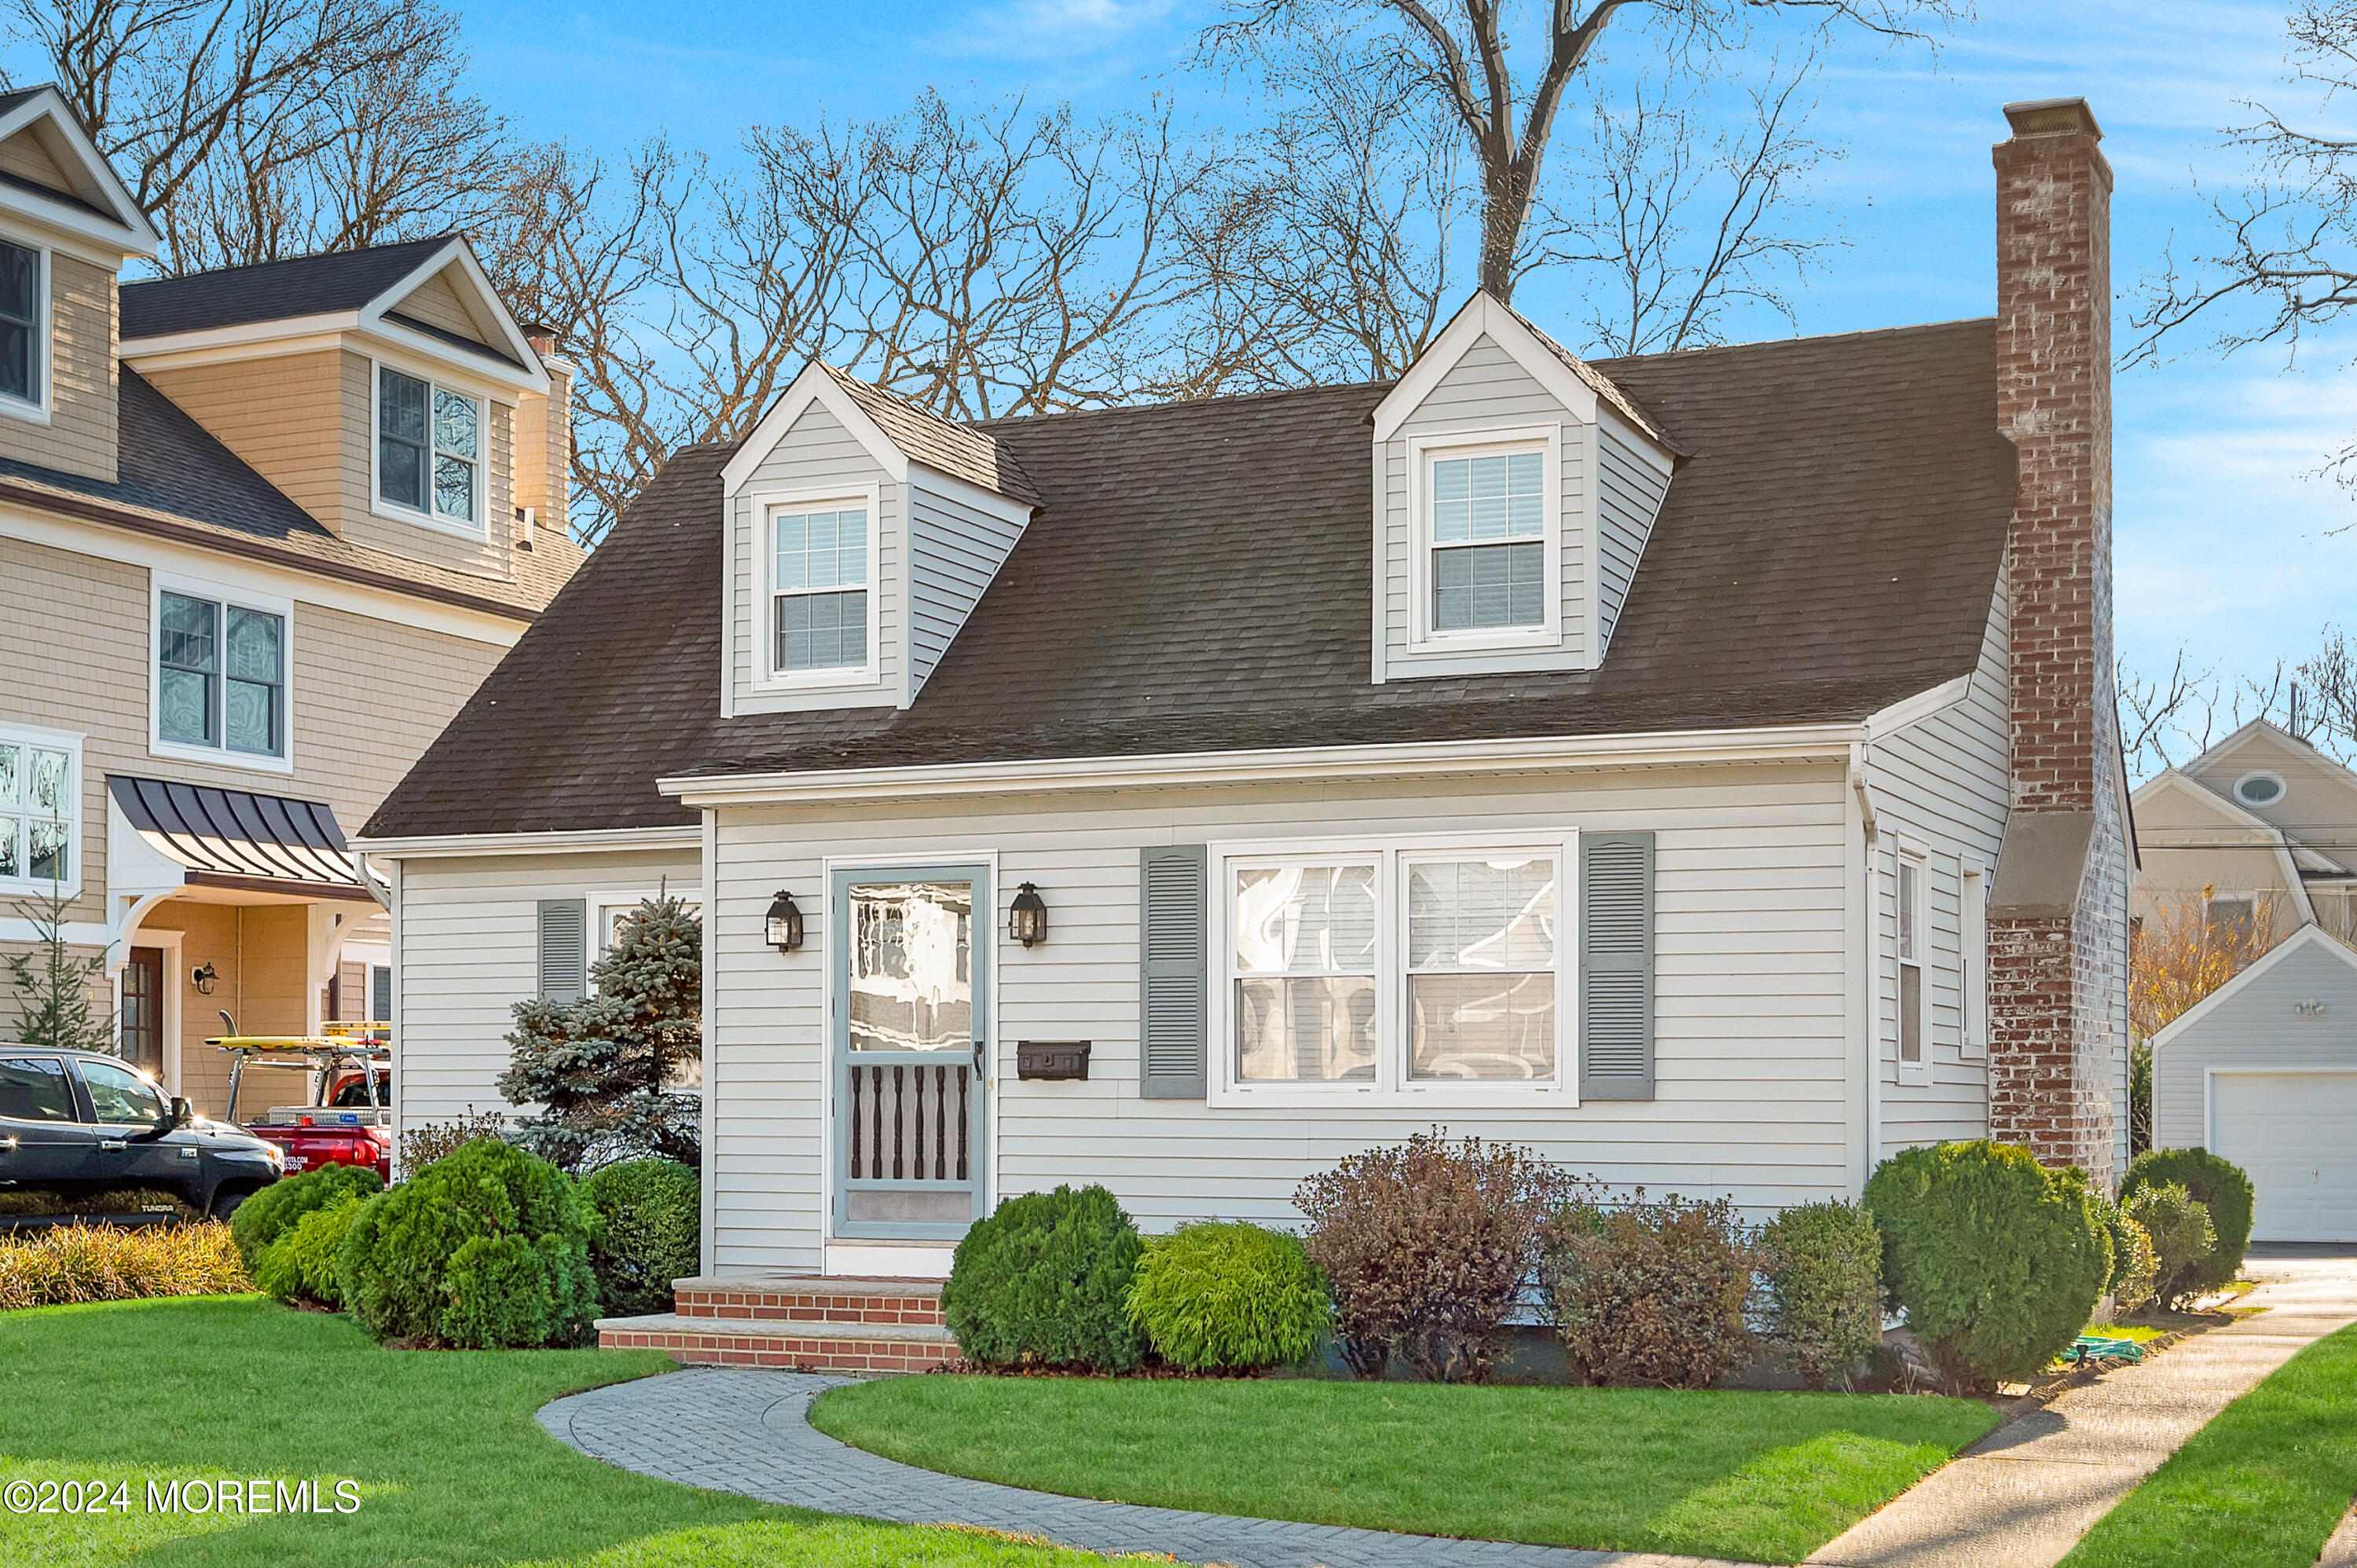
1481	315
163	351
2299	941
1923	706
131	220
526	373
813	385
1801	743
574	842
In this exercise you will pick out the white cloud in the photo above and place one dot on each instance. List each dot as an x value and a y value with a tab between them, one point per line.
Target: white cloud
1050	30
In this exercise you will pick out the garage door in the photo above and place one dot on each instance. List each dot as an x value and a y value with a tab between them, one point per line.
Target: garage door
2296	1132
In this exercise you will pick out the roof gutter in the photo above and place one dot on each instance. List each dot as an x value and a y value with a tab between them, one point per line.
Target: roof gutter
687	836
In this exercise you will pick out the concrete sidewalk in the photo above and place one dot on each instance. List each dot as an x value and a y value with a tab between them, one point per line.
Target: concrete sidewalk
2023	1496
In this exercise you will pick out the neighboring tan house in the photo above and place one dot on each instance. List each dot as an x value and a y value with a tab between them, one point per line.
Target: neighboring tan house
263	531
1614	758
2262	828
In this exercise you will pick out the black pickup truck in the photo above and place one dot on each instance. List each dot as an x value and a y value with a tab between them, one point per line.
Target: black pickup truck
75	1123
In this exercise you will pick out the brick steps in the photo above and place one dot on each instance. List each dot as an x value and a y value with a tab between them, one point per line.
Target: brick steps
816	1322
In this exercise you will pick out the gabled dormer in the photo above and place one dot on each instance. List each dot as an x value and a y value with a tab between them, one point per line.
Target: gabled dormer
861	532
67	225
1515	490
384	391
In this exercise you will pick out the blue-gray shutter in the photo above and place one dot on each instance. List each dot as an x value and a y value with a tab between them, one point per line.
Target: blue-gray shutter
564	950
1615	966
379	994
1172	999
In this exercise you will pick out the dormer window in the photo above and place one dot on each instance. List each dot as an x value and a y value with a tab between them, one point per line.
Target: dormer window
822	606
429	450
1487	541
21	324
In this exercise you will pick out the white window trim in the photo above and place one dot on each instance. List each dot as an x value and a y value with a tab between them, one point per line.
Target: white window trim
1917	1073
1422	452
1390	1087
435	380
1972	960
158	585
37	410
766	676
2283	788
70	743
602	906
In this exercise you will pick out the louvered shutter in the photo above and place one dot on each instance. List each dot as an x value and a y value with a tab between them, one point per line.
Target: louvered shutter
379	994
1172	1000
1615	966
564	950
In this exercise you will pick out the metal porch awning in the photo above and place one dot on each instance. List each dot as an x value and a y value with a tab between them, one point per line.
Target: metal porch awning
240	839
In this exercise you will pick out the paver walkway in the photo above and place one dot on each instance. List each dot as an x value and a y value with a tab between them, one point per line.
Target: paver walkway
743	1431
2023	1496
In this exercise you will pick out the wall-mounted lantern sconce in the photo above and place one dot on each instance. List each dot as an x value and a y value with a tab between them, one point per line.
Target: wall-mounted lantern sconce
1027	918
204	980
785	923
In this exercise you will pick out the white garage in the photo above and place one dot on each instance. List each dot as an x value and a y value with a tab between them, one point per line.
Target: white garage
2265	1073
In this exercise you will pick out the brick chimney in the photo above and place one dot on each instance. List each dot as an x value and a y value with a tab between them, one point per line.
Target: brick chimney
544	438
2057	912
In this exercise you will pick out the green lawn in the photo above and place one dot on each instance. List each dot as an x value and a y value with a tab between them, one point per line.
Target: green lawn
453	1469
2260	1486
1762	1476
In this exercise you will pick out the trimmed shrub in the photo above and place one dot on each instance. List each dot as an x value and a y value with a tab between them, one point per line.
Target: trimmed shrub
651	1232
301	1265
408	1268
2134	1263
1229	1297
1823	1264
2183	1241
1998	1260
1652	1292
1044	1281
274	1211
69	1263
2221	1187
1428	1246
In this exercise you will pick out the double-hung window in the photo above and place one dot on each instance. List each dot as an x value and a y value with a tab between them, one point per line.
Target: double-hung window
221	675
1913	935
1482	968
1305	973
40	809
820	582
1487	565
429	449
22	331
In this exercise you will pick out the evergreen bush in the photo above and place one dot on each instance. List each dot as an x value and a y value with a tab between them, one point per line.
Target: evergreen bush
1229	1297
271	1213
1652	1292
2183	1241
1823	1266
1998	1260
300	1265
2221	1187
410	1269
1045	1281
2134	1263
651	1232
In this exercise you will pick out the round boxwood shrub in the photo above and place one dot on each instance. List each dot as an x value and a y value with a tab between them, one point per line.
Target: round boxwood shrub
651	1232
486	1248
1229	1297
2134	1261
271	1212
1045	1281
2183	1239
1998	1260
1823	1262
301	1265
2221	1187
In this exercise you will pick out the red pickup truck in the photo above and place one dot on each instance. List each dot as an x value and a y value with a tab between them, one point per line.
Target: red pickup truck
338	1116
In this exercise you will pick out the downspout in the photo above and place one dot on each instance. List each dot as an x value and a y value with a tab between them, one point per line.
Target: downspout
1865	991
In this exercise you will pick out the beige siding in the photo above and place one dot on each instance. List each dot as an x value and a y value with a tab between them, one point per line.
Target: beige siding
814	455
23	155
284	415
80	434
468	950
2256	1027
261	954
2318	795
1485	390
2234	859
1943	785
1753	1065
437	303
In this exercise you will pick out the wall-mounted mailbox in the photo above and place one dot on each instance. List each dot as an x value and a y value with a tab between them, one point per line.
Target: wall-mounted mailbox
1051	1059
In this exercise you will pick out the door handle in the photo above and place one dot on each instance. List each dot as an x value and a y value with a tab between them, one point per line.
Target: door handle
980	1048
113	1145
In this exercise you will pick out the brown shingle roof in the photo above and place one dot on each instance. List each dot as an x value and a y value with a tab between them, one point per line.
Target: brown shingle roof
1197	577
962	451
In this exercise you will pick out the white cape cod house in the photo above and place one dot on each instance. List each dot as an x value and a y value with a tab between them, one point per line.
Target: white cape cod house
1700	768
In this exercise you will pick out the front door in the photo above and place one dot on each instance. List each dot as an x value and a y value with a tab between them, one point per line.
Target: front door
143	1010
910	1049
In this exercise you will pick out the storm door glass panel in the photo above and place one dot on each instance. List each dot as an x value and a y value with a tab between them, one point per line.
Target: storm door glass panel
1489	557
1481	969
912	956
402	450
187	669
20	323
1305	974
256	700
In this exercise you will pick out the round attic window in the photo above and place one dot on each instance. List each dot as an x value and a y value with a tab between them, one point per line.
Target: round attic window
2258	789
